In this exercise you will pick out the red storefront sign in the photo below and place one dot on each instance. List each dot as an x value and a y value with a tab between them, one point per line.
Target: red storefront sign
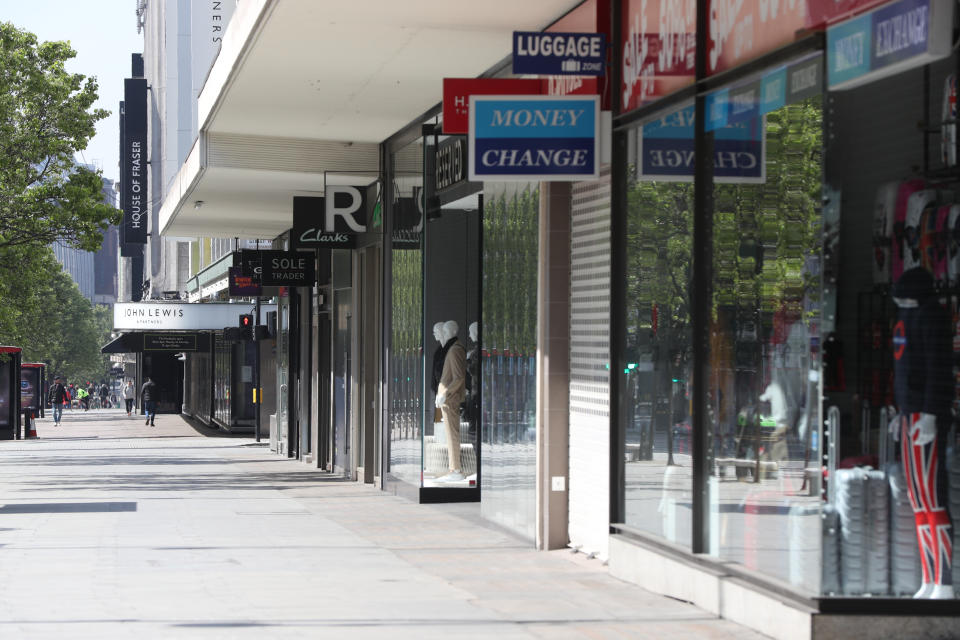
592	16
457	92
821	13
659	38
659	46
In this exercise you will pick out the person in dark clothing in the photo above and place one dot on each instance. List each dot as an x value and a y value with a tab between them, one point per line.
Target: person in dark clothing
58	395
923	391
439	355
104	396
148	397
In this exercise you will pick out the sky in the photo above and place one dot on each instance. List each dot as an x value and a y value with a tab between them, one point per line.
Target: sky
104	34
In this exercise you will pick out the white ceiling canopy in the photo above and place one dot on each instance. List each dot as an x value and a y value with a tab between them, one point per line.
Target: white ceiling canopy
341	74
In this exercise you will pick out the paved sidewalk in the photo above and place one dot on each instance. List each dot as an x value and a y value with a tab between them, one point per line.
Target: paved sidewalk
113	529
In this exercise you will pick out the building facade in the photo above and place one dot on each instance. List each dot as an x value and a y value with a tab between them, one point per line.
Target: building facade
689	363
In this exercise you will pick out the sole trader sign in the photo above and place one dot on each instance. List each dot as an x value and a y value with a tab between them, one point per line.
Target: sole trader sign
287	269
536	138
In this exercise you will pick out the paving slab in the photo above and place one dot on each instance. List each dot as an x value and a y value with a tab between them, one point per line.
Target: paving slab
110	528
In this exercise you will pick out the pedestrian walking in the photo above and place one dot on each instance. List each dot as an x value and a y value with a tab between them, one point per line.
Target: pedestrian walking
72	393
148	398
58	397
84	397
104	396
129	394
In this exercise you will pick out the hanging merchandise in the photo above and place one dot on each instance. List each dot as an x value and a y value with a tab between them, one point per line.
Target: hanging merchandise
899	246
948	127
953	246
933	241
884	210
912	229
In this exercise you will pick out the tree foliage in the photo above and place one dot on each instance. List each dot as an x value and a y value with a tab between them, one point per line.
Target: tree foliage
46	117
44	313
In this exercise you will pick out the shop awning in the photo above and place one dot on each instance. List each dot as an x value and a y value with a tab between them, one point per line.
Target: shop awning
158	341
301	87
120	344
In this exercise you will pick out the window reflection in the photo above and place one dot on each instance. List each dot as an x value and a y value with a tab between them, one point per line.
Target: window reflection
763	394
659	357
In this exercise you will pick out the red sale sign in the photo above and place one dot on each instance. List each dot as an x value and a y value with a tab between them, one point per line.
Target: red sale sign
659	46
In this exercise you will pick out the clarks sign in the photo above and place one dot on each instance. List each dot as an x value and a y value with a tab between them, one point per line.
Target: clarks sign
334	220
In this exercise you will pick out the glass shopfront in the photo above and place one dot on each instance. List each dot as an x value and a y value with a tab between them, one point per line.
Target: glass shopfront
763	385
435	357
406	406
827	407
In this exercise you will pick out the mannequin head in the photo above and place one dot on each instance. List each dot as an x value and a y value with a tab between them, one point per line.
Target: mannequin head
438	332
474	331
449	330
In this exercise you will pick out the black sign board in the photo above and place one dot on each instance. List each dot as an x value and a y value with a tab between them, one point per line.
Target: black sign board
804	80
308	231
249	262
334	220
170	342
287	269
451	164
408	221
241	285
134	161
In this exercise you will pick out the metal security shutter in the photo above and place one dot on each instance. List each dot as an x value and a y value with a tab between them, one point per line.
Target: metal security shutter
589	360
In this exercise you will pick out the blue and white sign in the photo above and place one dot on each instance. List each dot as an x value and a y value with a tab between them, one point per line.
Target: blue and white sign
896	37
776	88
559	54
534	138
666	148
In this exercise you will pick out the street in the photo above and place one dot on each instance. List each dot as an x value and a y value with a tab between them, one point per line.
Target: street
110	528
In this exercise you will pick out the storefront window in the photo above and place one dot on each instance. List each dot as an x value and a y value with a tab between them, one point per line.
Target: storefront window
223	379
891	278
406	364
451	316
659	358
508	370
763	394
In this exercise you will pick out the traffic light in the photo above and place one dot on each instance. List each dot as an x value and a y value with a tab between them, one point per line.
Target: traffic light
246	326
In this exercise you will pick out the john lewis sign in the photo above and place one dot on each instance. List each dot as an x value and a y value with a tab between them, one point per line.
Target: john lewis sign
178	316
534	138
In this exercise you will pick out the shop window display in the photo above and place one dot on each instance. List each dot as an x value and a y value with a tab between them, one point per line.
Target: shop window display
893	477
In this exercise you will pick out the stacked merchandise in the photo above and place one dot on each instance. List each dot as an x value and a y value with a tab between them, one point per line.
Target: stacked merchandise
862	505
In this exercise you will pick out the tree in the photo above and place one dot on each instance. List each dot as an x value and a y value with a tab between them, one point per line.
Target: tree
46	117
44	313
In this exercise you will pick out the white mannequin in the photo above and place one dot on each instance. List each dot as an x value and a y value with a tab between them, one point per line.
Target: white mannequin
473	330
438	332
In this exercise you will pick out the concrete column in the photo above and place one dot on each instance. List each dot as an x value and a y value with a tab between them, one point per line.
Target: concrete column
553	365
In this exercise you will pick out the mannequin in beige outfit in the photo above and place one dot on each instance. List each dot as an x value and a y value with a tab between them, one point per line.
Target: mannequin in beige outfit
450	395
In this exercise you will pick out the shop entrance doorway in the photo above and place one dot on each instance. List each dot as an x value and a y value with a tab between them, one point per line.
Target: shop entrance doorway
166	371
